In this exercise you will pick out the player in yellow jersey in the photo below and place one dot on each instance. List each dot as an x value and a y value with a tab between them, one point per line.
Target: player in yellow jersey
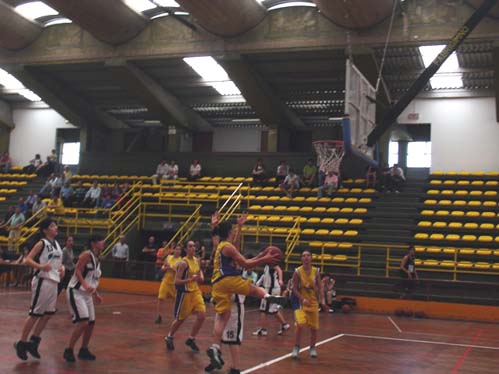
167	287
308	290
189	299
227	281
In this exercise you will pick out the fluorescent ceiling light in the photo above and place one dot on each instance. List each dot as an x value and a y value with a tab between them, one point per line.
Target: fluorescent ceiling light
140	5
57	21
160	15
227	88
441	81
430	52
167	3
35	9
9	82
181	13
30	95
292	4
246	120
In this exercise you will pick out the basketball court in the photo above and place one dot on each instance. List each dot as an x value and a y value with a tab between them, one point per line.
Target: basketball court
127	341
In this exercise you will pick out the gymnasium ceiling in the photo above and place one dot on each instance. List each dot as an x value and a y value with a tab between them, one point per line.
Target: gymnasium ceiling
304	85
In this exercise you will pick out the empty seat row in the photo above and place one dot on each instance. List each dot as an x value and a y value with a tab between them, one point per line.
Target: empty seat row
476	193
286	230
472	203
460	251
459	213
462	265
307	209
452	182
457	237
311	220
330	245
311	199
458	225
465	173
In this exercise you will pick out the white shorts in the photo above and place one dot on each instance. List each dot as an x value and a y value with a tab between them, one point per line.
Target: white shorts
233	333
43	297
272	308
81	305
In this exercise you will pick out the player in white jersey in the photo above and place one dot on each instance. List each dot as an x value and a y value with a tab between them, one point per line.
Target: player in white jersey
46	258
271	281
81	290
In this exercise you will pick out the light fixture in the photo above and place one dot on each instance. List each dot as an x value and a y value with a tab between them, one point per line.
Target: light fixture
9	82
181	13
442	81
57	21
140	5
430	52
167	3
246	120
293	4
35	9
30	95
160	15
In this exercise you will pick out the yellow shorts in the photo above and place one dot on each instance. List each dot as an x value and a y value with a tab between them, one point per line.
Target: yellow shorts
166	290
308	318
224	290
187	303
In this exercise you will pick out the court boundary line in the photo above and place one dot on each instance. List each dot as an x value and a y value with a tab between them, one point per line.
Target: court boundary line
283	357
422	341
394	324
463	357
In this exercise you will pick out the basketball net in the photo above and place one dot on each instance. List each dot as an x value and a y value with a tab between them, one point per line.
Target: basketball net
329	155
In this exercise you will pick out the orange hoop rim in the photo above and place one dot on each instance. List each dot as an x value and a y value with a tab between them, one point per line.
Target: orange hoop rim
331	142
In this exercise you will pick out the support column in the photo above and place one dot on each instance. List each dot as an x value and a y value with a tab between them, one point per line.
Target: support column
403	146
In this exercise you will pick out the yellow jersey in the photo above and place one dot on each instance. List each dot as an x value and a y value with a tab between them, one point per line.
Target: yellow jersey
308	286
172	262
223	266
191	269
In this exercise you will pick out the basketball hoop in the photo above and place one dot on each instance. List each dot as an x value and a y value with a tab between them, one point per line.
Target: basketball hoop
329	154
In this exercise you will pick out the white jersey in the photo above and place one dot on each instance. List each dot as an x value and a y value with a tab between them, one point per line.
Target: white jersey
269	279
91	274
51	253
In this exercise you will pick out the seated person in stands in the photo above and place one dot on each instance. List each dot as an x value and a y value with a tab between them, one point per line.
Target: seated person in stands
34	165
56	204
282	171
21	204
371	176
57	184
107	202
46	168
92	196
67	174
328	283
6	218
161	172
116	192
194	171
48	186
79	194
172	171
30	199
5	162
291	183
309	173
330	184
395	179
39	204
66	194
258	173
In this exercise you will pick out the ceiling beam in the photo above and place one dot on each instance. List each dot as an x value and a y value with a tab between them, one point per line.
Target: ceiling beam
68	104
6	119
112	22
260	96
16	32
156	98
225	17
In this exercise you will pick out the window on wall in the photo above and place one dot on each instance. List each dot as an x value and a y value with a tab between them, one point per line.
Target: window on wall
393	153
70	153
419	155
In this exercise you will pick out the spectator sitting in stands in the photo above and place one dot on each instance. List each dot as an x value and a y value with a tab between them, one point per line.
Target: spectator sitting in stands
79	194
56	204
5	162
14	223
46	168
107	202
161	172
8	214
330	184
39	204
172	171
116	192
194	171
258	173
291	183
309	173
21	204
282	171
371	177
67	174
30	199
395	179
48	186
57	184
328	283
66	194
92	196
34	165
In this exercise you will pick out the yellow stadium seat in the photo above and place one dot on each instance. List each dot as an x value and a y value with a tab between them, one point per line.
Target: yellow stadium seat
273	218
287	219
490	193
313	220
461	193
488	214
421	235
330	245
298	199
345	245
455	225
427	212
447	264
489	203
476	193
311	199
346	210
261	198
430	202
452	237
315	244
447	192
343	190
320	209
449	182
449	250
482	265
351	200
472	213
463	183
280	208
485	238
442	213
351	233
360	210
274	198
305	189
484	252
477	183
467	251
435	182
437	236
338	200
326	257
333	210
356	221
464	264
433	249
430	263
340	258
268	207
285	199
438	173
293	208
432	192
487	226
496	252
419	249
445	202
492	183
336	232
365	200
474	203
322	232
439	224
281	230
306	209
418	261
471	225
468	238
356	190
324	199
327	220
457	213
341	221
495	266
308	232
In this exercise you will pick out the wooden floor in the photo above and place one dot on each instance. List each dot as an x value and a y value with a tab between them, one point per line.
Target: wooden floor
127	341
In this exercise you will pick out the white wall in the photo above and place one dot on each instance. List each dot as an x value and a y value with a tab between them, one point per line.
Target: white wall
237	139
34	132
464	132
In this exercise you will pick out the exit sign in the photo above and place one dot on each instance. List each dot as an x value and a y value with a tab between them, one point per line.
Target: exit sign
413	116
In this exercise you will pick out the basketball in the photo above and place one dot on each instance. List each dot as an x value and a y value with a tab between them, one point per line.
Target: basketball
346	308
273	250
